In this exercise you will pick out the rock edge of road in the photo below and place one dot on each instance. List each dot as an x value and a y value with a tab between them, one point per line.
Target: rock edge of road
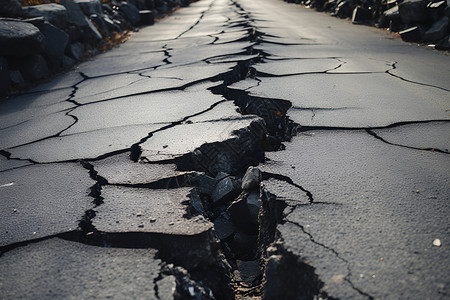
416	21
39	41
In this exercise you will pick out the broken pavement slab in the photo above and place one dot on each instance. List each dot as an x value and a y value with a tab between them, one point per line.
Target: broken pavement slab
352	101
418	135
138	217
119	169
180	140
57	268
27	107
374	192
84	145
149	211
29	210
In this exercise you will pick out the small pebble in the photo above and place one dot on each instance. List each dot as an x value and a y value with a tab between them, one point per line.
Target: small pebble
14	210
141	225
152	220
437	243
139	214
90	233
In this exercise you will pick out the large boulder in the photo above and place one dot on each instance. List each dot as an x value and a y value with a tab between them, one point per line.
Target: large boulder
438	30
53	13
20	39
435	10
147	17
130	12
360	15
75	15
91	34
55	43
413	11
75	50
10	8
413	34
111	25
392	13
34	68
90	7
16	79
100	22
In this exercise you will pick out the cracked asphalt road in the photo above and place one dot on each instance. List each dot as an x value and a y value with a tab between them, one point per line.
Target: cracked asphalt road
105	171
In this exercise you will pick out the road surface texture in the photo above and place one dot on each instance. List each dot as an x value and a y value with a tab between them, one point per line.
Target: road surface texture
124	178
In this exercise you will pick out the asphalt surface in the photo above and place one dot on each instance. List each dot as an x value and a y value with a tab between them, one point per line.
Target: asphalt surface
95	165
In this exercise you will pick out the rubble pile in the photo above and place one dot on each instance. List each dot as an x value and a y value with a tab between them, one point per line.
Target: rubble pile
233	204
417	21
40	40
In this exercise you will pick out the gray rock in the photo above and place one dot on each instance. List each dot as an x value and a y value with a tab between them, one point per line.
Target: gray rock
444	44
130	12
412	11
254	204
361	14
74	14
90	7
392	13
4	76
396	25
67	62
249	271
10	8
438	30
204	183
55	43
414	34
16	78
107	8
76	50
37	21
240	216
196	202
435	10
74	33
163	8
112	26
220	176
223	227
53	13
93	33
100	22
20	39
251	179
140	4
224	191
344	9
245	245
147	17
447	11
34	68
